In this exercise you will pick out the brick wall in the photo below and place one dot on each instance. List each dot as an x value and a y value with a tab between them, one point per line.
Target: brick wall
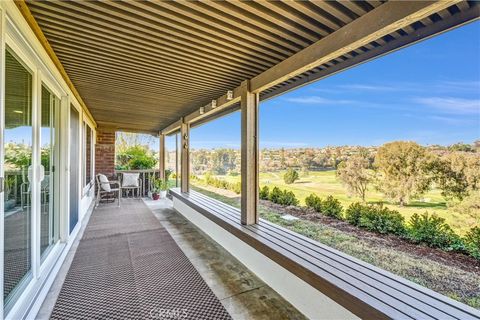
105	152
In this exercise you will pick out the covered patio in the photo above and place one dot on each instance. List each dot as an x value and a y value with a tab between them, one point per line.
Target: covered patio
144	260
162	68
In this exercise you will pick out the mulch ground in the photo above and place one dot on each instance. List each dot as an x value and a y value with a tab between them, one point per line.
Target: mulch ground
453	259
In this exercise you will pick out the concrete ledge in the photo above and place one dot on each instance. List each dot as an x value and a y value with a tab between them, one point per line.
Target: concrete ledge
308	300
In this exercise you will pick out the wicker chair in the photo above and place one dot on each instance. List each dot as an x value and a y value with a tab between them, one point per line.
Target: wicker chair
104	187
131	182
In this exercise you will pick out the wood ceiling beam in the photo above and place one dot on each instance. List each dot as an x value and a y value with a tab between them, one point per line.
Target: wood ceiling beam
25	11
175	126
217	26
377	23
173	33
156	72
245	16
106	35
145	58
399	43
383	20
208	49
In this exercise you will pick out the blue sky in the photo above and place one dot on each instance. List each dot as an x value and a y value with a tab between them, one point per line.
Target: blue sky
428	92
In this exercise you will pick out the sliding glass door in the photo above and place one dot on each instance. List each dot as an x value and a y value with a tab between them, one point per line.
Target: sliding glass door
49	227
74	165
31	215
18	144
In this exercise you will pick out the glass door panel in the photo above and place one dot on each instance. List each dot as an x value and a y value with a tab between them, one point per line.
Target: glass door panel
48	210
74	165
18	135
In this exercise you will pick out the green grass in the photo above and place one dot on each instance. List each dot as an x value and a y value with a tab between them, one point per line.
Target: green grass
325	183
451	281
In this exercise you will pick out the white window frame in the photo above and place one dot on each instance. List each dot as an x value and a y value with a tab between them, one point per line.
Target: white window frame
21	40
87	185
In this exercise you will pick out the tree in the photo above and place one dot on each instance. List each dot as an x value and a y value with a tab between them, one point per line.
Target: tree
462	147
355	174
135	158
456	174
401	169
290	176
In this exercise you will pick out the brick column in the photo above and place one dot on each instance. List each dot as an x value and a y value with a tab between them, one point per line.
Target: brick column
105	152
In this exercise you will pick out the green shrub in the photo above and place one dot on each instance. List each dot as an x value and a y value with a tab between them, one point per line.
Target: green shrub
382	220
354	213
135	158
313	201
264	193
223	184
433	231
472	242
275	195
291	176
288	199
236	187
331	207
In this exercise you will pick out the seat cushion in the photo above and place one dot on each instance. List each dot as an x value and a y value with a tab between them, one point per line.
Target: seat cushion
130	179
104	183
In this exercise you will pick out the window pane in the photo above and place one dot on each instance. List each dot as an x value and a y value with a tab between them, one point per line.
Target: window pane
18	160
382	161
215	163
172	159
49	214
88	155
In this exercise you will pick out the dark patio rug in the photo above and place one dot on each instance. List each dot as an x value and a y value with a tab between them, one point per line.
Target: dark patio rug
127	266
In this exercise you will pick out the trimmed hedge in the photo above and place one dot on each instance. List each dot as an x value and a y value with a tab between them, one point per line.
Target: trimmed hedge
313	201
375	218
430	230
472	242
382	220
354	212
285	198
433	231
223	184
264	193
330	206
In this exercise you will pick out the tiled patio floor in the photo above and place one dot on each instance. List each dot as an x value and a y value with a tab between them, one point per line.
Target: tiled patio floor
242	294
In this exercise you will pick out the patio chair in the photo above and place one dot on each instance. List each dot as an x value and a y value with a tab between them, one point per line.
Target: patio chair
104	187
130	182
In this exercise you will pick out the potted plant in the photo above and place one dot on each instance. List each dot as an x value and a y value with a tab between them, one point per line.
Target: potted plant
155	188
163	187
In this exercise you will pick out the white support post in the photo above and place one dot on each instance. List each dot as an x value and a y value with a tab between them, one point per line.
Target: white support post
249	155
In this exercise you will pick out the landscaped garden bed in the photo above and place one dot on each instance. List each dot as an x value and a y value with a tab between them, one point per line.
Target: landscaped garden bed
452	273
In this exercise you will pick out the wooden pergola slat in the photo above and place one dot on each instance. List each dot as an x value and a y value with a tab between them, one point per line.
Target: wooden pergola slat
182	55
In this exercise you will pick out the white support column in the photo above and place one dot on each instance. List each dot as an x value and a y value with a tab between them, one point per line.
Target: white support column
249	155
161	156
185	156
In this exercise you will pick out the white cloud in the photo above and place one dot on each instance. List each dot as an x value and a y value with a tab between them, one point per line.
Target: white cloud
469	86
451	105
451	120
317	100
370	87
